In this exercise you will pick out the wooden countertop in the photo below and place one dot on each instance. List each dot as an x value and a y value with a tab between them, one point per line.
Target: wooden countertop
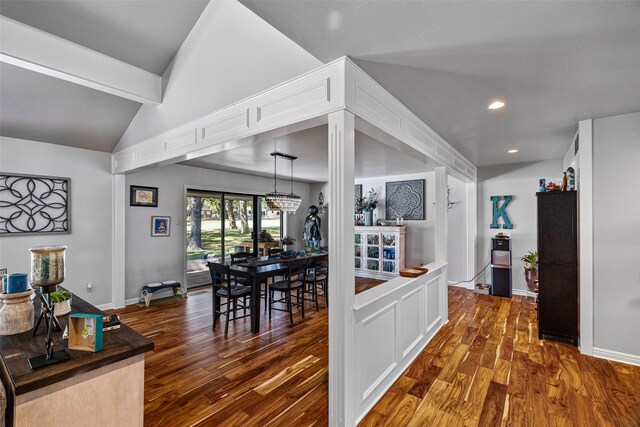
15	350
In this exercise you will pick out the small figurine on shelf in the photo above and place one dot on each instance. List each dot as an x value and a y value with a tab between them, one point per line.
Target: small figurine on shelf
565	182
542	185
552	186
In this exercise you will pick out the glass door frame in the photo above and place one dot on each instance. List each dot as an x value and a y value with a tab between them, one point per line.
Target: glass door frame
255	221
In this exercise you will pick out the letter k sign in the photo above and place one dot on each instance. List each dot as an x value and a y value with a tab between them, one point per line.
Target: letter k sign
501	212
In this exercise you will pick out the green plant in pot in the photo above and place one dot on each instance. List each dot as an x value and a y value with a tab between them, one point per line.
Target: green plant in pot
365	205
61	301
531	269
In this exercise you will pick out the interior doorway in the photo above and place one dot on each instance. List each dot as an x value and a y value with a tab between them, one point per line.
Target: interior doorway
221	223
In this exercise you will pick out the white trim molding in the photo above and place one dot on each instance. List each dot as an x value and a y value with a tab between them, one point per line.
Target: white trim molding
118	235
341	274
32	49
585	221
616	356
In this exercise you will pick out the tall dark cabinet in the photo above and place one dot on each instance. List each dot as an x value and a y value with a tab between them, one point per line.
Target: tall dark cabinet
558	266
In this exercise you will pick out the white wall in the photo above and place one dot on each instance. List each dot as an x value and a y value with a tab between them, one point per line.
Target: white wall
88	256
521	181
229	55
420	238
457	233
152	259
616	228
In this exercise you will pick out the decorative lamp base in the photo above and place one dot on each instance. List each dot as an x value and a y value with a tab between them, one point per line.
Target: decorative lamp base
38	362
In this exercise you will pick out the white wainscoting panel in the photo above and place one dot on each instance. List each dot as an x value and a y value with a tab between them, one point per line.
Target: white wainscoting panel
392	326
378	330
412	320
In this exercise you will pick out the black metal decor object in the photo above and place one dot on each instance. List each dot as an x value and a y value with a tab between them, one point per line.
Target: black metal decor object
51	323
31	204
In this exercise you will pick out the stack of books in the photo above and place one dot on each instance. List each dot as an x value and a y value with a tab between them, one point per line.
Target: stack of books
110	322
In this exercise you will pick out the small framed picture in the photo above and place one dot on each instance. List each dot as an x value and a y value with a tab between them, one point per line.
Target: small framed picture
160	226
143	196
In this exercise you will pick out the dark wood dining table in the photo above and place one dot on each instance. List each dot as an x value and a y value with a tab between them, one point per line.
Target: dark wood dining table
256	273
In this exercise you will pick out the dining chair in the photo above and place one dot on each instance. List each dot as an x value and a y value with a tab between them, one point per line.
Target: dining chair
294	282
225	286
318	275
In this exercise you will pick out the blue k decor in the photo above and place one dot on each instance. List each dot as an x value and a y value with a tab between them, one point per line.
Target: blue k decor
500	211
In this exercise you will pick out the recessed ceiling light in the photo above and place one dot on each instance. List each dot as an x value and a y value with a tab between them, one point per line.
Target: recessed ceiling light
496	105
512	151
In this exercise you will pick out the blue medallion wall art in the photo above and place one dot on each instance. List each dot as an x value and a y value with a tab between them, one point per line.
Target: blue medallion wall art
34	205
405	199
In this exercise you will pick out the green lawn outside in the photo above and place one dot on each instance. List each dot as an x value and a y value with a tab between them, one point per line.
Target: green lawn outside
211	233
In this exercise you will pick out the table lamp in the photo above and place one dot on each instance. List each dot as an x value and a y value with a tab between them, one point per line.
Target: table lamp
47	271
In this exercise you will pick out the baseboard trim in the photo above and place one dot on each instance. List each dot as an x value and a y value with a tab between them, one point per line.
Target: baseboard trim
103	307
131	301
461	285
616	356
522	292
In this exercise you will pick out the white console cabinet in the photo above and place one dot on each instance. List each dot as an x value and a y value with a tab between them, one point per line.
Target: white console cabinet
379	251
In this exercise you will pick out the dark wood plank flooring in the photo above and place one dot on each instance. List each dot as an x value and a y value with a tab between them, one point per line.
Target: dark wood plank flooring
485	367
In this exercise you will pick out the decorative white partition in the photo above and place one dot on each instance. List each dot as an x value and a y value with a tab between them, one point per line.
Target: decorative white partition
393	323
373	336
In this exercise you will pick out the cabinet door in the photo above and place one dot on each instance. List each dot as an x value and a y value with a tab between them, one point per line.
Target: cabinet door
558	301
557	228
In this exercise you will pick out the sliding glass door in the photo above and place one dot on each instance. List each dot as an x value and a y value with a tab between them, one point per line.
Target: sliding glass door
219	224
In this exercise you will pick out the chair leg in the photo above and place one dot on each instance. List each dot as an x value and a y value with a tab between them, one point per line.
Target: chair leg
315	294
270	295
301	301
226	324
216	308
289	306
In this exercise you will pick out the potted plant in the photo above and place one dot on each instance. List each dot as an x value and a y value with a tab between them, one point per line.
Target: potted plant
531	269
366	204
287	242
61	301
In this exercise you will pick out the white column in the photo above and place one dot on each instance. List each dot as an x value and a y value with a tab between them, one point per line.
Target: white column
585	221
472	227
341	268
118	205
442	236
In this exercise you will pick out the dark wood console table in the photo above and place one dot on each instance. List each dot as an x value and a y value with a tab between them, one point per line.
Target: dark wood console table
104	388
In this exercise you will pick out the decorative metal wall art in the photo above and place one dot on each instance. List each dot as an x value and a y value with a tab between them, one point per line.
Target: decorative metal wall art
31	204
404	199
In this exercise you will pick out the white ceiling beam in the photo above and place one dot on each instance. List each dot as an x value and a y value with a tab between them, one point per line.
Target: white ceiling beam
36	50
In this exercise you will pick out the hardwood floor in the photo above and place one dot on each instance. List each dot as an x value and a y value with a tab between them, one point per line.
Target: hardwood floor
485	367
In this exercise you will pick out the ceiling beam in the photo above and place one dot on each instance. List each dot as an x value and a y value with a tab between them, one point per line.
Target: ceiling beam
27	47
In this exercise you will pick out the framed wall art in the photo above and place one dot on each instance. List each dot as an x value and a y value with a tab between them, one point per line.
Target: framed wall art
405	199
32	204
143	196
160	226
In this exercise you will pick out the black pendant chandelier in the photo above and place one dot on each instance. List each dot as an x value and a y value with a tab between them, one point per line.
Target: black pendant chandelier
281	201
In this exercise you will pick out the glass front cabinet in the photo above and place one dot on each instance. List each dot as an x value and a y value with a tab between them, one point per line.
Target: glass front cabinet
379	251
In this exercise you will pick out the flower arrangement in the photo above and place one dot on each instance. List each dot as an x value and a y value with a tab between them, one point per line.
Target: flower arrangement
288	240
366	203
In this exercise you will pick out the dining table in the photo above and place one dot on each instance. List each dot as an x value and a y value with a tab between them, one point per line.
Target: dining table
257	271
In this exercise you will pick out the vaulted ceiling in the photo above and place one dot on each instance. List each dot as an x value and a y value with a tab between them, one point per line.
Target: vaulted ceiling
553	63
144	34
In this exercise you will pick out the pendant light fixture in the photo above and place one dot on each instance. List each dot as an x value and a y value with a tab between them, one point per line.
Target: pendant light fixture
280	201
